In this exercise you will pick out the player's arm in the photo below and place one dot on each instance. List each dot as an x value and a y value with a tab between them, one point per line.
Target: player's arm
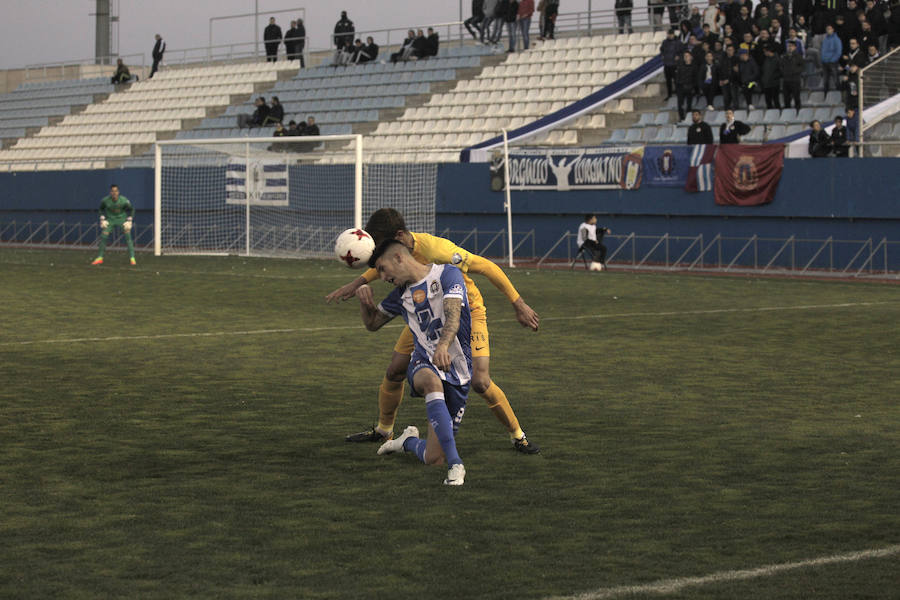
452	309
373	317
104	222
345	292
129	209
525	315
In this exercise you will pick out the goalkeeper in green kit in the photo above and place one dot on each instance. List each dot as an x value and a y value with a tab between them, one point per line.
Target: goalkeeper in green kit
115	210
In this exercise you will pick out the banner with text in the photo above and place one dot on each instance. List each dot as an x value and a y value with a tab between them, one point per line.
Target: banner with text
575	168
262	182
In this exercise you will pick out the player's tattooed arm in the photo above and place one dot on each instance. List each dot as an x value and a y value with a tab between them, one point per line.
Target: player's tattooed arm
452	310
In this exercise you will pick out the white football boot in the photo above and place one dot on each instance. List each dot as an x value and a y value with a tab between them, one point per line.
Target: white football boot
396	444
456	475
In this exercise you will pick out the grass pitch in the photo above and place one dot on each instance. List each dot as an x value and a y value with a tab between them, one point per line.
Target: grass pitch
176	430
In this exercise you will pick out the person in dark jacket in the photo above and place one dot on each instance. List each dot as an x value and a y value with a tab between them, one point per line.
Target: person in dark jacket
159	49
291	41
300	42
730	131
276	112
406	49
748	76
369	52
791	72
420	45
706	79
699	132
670	49
122	74
726	77
433	42
510	16
257	118
839	138
685	79
272	39
623	15
770	79
344	31
473	23
819	142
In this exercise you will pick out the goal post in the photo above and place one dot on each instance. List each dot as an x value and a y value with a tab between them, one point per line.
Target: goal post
278	196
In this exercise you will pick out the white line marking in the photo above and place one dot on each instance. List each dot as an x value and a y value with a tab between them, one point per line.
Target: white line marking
671	586
712	311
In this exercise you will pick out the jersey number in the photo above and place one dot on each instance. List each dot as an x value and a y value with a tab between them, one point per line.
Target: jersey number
428	324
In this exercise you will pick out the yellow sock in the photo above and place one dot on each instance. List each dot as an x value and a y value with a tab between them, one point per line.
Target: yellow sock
390	394
499	405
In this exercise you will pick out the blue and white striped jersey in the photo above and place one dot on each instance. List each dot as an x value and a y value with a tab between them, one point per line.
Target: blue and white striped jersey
422	306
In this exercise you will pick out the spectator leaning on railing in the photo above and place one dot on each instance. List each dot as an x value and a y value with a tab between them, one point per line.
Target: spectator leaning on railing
819	142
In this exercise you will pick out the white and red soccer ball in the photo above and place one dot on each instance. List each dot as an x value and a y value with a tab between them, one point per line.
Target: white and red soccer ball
354	247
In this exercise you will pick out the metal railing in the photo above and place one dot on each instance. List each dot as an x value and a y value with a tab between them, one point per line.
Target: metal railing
726	254
59	70
878	81
491	243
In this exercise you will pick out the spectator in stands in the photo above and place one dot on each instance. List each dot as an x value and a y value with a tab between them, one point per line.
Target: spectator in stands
526	9
490	21
122	74
730	131
892	17
819	142
839	138
830	55
291	39
311	127
272	39
623	15
699	132
706	79
748	75
843	32
296	129
851	86
714	17
257	118
276	112
868	37
770	79
420	45
510	17
433	41
873	55
369	52
670	50
791	73
726	76
343	55
852	125
802	8
473	23
590	240
684	33
343	31
743	24
280	131
677	11
655	10
696	20
159	48
550	12
777	33
300	42
855	55
541	7
685	80
405	51
793	37
763	21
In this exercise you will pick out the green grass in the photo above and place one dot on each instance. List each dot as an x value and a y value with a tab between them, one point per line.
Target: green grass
152	460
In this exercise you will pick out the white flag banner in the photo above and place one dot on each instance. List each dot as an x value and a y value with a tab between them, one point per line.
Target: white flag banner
266	182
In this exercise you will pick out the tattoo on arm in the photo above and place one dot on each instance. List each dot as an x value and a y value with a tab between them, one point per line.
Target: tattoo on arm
373	318
452	310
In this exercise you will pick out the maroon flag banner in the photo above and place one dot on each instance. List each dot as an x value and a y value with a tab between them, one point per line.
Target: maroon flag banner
748	175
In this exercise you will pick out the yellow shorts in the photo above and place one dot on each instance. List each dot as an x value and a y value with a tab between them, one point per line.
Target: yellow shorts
480	339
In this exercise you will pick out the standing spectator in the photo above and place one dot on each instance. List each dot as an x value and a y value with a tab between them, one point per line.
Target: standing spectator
706	79
802	8
290	42
276	112
257	118
122	74
541	7
839	138
526	9
655	10
272	39
726	76
500	11
794	37
405	51
763	21
730	131
474	22
369	52
770	78
852	125
748	75
670	49
677	12
685	80
433	43
851	86
696	19
623	15
873	55
700	132
714	17
819	142
743	24
830	55
159	48
490	19
791	72
511	17
550	12
343	31
855	55
300	42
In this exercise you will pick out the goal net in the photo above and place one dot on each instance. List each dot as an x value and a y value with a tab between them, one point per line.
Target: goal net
285	196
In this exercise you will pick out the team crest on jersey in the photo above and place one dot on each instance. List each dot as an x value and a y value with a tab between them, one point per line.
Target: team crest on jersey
418	296
456	258
434	287
455	289
745	174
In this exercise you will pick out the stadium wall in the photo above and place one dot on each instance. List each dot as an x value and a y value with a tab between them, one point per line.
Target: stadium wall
846	199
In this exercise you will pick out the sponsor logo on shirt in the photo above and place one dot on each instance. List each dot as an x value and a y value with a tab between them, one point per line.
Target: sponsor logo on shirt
418	296
434	287
455	289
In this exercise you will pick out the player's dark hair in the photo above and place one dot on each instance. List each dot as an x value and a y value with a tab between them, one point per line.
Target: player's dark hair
588	217
384	224
383	247
115	185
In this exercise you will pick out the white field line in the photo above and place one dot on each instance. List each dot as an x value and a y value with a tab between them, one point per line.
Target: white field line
671	586
712	311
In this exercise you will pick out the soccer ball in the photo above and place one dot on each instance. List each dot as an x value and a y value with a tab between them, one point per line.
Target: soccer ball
354	247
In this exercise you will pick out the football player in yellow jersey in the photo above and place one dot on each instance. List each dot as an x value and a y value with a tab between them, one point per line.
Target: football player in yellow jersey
387	223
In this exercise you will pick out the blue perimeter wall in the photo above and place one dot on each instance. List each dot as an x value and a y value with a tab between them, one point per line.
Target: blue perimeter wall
849	199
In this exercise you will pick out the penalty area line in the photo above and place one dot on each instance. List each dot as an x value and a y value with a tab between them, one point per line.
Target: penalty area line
671	586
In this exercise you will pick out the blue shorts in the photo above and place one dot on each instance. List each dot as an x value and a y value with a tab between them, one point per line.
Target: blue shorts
455	396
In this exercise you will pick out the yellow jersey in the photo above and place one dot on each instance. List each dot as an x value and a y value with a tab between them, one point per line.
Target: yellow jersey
429	249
